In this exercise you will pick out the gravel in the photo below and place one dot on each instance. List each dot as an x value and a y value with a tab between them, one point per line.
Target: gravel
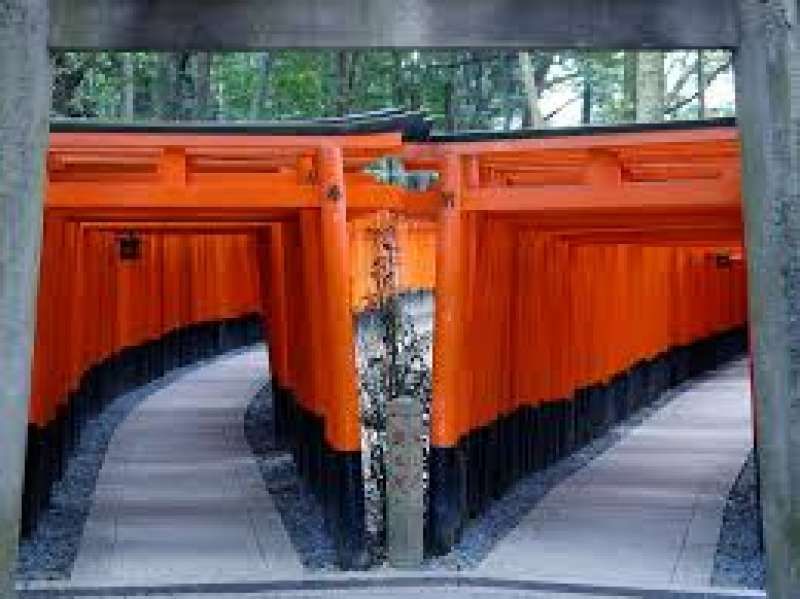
304	522
739	561
51	550
299	510
504	514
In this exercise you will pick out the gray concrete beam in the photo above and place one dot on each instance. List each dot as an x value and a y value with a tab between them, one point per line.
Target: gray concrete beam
768	97
24	106
253	24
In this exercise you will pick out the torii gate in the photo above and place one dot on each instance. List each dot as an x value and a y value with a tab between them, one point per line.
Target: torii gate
761	32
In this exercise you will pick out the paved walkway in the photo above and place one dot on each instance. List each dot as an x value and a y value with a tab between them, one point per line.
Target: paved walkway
180	498
385	585
648	511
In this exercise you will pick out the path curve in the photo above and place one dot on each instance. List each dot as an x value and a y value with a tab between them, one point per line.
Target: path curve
649	510
179	499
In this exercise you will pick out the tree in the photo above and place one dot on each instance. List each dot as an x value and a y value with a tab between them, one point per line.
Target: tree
630	75
650	87
261	85
701	68
533	115
202	86
477	89
128	87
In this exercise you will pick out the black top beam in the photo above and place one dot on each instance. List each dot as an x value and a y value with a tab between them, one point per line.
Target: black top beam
256	24
413	126
585	130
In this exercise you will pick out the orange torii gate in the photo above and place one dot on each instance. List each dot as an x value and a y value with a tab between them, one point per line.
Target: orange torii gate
532	219
667	188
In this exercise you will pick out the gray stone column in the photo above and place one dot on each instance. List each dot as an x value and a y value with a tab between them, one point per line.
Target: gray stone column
24	106
404	487
768	100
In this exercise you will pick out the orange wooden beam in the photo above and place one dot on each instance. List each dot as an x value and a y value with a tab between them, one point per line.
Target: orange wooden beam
447	330
626	196
345	428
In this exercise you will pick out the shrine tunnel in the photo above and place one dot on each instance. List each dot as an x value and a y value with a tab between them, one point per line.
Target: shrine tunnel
577	276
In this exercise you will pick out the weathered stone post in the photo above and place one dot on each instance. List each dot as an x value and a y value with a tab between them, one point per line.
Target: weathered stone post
24	106
768	100
404	489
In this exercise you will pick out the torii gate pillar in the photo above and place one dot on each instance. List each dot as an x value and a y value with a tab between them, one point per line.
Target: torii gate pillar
24	107
768	61
768	104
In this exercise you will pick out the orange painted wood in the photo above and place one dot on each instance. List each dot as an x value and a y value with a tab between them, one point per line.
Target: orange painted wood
345	431
449	323
558	262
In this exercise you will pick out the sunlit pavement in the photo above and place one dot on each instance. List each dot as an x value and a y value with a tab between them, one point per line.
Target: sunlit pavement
649	510
180	498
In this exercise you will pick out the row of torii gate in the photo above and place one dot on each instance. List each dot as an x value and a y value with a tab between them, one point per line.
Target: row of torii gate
762	33
575	276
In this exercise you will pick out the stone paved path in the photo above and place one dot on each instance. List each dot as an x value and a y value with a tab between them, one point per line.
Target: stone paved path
649	510
407	586
180	498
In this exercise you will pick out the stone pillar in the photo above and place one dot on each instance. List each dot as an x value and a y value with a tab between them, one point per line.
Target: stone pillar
24	105
404	498
768	101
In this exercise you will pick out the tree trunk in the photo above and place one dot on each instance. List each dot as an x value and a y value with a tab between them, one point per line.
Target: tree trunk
481	101
202	86
414	84
398	93
702	84
344	61
650	87
128	88
586	101
24	108
509	101
184	84
165	93
533	112
631	69
67	81
449	101
261	91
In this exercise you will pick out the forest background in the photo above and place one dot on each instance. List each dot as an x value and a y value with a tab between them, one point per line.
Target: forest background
459	89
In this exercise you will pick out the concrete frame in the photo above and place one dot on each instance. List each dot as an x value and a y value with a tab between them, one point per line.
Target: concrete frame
24	105
764	34
252	24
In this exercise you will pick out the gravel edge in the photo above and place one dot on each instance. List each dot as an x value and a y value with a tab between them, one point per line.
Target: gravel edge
300	512
50	552
504	514
739	560
304	521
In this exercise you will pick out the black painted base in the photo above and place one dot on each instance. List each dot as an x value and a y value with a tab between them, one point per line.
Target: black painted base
464	479
449	495
50	447
335	477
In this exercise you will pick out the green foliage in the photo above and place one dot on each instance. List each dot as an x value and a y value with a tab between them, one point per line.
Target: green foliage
300	86
459	89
